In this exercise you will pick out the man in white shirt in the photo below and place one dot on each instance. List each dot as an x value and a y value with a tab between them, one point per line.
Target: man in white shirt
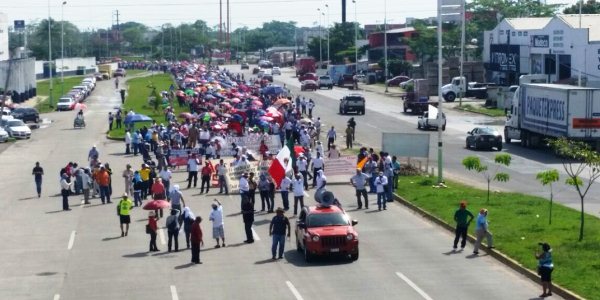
359	182
210	151
310	105
222	173
127	142
165	176
318	128
302	166
216	216
331	137
192	167
321	179
318	164
284	188
244	187
380	183
65	190
298	189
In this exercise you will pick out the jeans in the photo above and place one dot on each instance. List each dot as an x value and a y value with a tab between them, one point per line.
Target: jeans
372	188
205	181
167	184
188	233
248	230
135	148
137	198
296	200
153	241
196	252
264	197
223	185
305	179
362	193
104	193
461	232
390	192
278	239
65	199
285	200
173	235
86	196
192	175
381	200
314	180
38	186
127	149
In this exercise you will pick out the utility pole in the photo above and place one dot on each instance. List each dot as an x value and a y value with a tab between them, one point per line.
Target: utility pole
328	58
220	23
385	48
50	64
462	51
355	34
439	45
228	31
118	31
62	48
320	40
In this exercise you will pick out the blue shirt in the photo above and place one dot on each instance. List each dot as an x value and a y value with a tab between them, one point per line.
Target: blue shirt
481	222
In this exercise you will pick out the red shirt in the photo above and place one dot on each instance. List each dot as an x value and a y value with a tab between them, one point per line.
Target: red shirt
158	189
207	170
152	223
263	149
196	234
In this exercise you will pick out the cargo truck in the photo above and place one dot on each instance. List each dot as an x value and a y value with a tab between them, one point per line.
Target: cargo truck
105	70
305	65
540	111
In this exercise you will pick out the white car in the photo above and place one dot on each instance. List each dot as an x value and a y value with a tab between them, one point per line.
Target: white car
6	111
276	71
3	135
17	129
429	119
65	103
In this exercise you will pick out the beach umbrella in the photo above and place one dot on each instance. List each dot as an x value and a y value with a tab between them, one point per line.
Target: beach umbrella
189	92
266	118
235	100
186	115
282	101
257	103
79	106
137	118
156	204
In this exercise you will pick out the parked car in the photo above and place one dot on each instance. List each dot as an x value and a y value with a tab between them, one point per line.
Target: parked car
84	89
26	114
65	103
245	65
98	76
308	76
325	81
404	84
397	80
324	231
105	75
429	120
309	85
120	72
6	111
16	128
276	71
77	95
484	137
352	103
3	135
255	70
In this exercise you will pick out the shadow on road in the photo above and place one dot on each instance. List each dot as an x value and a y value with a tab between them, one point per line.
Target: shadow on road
264	261
135	255
55	211
106	239
184	266
27	198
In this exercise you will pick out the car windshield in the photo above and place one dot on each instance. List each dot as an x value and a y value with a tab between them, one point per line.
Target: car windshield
325	77
329	219
64	100
487	130
354	98
15	123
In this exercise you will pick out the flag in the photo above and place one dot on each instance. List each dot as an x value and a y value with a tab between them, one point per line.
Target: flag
280	165
361	163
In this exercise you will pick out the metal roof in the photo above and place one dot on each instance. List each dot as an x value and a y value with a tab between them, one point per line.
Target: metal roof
528	23
590	21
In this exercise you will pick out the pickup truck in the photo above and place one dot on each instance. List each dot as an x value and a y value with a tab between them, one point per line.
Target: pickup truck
472	89
325	81
430	120
352	103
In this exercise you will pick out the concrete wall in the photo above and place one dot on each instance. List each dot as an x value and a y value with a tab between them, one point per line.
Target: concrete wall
22	81
71	66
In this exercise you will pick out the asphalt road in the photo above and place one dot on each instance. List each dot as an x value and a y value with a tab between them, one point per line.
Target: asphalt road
51	254
384	114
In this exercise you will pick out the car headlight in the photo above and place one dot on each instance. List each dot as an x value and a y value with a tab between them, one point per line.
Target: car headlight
315	238
350	236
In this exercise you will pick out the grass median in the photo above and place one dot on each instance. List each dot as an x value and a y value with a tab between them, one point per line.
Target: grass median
137	99
480	109
518	223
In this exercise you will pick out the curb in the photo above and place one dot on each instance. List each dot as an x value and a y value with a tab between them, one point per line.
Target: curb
501	257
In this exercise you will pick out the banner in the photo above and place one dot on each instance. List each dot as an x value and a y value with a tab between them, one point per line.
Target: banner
179	157
251	142
234	174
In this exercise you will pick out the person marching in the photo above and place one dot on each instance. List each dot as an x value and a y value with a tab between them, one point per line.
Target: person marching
545	268
380	182
359	182
196	240
222	173
38	172
248	217
216	216
463	219
173	230
298	189
279	225
152	230
482	230
284	188
65	190
123	210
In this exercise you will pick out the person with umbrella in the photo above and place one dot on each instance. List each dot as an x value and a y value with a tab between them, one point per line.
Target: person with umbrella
152	228
123	210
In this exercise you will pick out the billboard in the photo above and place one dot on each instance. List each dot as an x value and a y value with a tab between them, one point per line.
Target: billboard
406	144
504	58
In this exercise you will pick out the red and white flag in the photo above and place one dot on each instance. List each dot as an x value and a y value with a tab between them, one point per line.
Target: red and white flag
281	165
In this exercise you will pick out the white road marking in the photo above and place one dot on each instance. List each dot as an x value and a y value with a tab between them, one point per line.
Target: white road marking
71	240
161	235
255	235
56	297
414	286
306	194
294	290
370	125
174	293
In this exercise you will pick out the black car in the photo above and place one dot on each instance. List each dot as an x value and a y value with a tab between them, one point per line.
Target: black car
245	66
26	114
255	70
484	137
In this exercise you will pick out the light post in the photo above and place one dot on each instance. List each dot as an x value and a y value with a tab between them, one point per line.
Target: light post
62	48
50	52
327	26
320	39
355	38
462	51
385	50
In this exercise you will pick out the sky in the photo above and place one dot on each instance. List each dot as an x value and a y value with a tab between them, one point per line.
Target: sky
95	14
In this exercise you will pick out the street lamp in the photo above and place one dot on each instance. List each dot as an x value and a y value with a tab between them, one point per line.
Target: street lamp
62	48
50	51
320	38
355	38
385	50
327	6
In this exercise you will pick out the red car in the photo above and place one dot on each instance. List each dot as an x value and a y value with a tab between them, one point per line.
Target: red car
308	76
326	230
309	85
396	81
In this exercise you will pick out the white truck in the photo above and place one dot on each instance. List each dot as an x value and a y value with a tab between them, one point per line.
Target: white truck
457	87
539	111
430	119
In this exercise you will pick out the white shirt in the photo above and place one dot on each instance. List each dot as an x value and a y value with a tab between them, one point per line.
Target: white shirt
311	105
193	165
221	170
298	187
285	183
318	163
321	180
331	133
210	150
204	135
380	183
165	175
319	149
127	138
64	184
85	181
244	185
301	164
216	216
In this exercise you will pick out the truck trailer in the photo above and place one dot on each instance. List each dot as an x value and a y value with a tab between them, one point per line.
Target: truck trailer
541	111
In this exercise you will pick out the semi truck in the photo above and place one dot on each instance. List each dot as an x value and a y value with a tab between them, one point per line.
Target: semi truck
305	65
457	87
540	111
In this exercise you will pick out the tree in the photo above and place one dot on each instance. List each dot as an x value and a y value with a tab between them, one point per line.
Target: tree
589	7
397	67
473	163
548	177
578	158
424	43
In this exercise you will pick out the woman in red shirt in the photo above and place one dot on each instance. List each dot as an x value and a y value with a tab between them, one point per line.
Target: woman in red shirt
153	230
196	240
158	190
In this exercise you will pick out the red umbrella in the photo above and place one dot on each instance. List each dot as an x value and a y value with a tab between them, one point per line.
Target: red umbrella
79	106
235	100
156	204
266	118
257	103
186	115
298	150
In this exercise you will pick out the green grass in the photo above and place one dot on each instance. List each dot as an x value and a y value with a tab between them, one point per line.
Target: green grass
137	99
131	73
478	108
43	86
517	228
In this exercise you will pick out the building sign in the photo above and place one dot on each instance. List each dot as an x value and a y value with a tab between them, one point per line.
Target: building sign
540	41
504	58
19	25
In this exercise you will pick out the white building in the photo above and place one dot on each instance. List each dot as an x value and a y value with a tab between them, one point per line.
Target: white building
4	53
555	46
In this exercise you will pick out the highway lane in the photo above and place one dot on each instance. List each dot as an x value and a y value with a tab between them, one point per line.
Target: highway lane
384	114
